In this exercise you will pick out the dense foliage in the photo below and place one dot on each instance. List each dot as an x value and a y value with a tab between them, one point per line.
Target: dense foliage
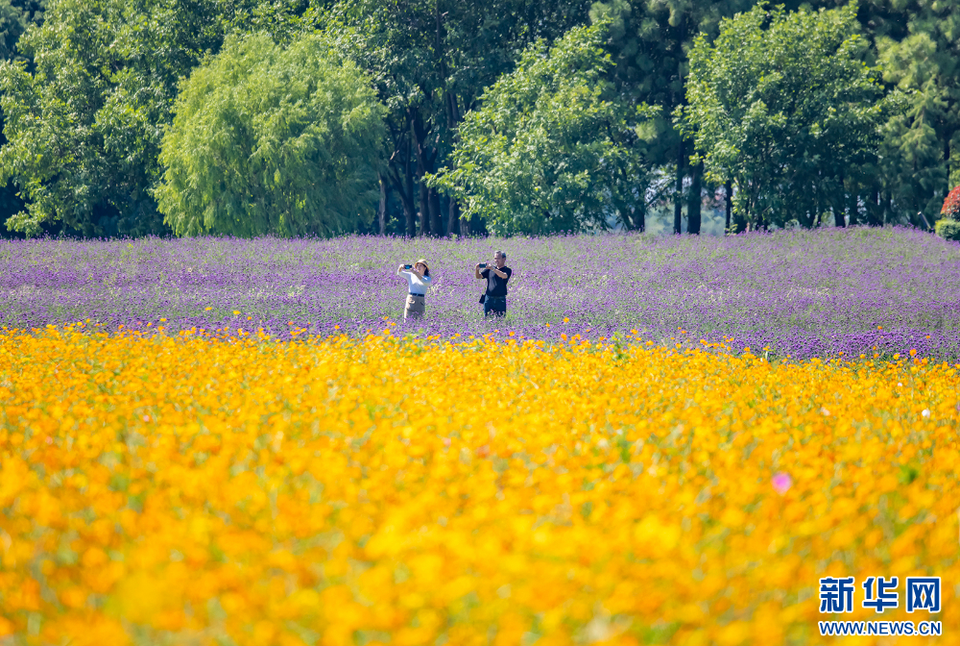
649	43
951	205
919	51
84	116
782	105
431	60
272	140
949	227
553	147
87	89
15	17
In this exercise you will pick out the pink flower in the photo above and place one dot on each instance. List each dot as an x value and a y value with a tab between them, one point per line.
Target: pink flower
781	482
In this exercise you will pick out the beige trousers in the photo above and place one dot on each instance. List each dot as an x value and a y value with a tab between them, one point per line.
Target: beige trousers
416	306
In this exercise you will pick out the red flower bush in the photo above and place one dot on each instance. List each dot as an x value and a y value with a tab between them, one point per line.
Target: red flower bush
951	205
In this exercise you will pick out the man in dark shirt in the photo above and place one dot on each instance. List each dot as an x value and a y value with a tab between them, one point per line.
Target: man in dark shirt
495	299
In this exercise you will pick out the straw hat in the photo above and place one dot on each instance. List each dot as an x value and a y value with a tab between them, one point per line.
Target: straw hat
422	261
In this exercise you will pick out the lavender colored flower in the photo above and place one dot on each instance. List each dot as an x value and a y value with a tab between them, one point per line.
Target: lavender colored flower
828	292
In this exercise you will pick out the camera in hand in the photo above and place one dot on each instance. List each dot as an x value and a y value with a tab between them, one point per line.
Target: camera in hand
408	266
483	265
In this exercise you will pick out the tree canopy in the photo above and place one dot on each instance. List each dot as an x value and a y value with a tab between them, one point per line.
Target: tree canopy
269	139
649	41
432	60
553	146
782	104
87	91
86	105
921	141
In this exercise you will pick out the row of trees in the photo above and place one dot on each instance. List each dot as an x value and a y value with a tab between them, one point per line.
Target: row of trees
129	117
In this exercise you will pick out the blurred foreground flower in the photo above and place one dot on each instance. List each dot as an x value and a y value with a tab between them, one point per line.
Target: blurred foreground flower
183	490
782	482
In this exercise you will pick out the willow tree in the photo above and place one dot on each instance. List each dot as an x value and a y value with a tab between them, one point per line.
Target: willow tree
86	94
268	139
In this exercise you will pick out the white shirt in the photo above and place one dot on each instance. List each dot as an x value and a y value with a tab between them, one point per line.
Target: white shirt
414	284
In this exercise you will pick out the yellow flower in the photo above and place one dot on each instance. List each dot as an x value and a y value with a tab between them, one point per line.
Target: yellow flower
180	489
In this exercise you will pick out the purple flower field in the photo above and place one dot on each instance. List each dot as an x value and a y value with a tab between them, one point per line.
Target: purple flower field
802	293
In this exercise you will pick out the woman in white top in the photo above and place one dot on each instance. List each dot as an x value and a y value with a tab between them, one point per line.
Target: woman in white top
418	281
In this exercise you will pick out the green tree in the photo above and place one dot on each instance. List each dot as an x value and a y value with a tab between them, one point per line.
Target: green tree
84	121
922	57
431	60
783	105
15	17
552	147
916	43
649	41
272	140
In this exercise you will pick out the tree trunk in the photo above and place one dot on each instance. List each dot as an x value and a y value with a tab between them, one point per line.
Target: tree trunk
429	204
739	218
946	161
453	119
410	220
817	200
382	210
854	207
409	210
678	192
679	100
695	200
875	210
403	184
433	200
728	206
838	219
424	209
453	216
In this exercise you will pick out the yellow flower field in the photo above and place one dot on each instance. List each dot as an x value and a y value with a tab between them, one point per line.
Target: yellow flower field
184	490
